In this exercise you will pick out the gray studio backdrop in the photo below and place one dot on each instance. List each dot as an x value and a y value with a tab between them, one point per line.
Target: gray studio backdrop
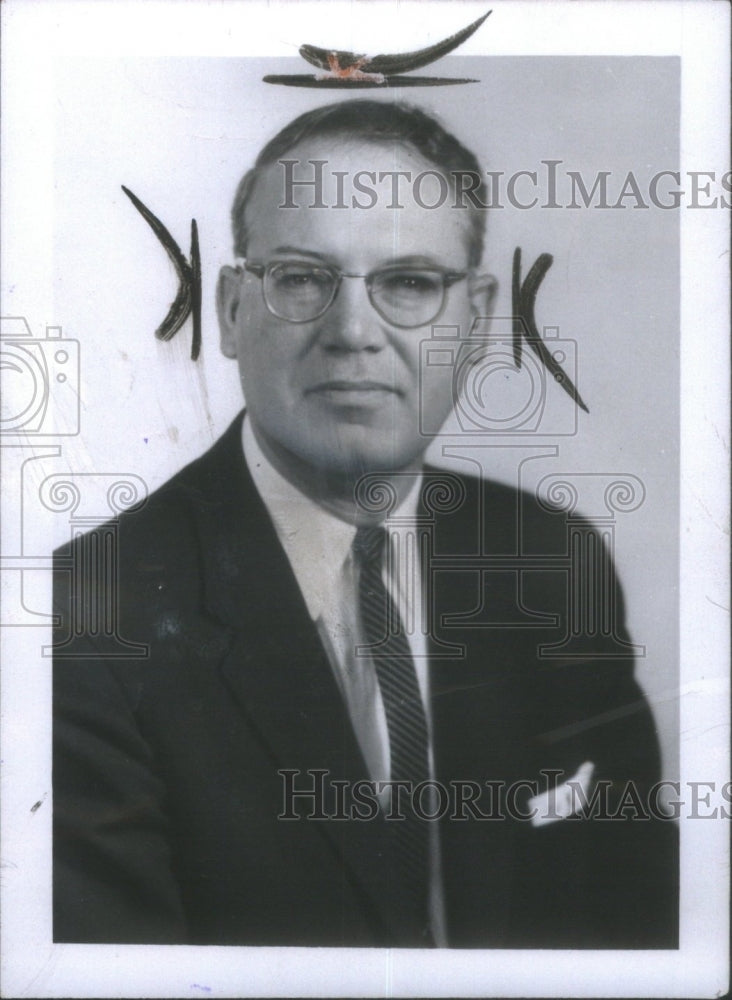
180	132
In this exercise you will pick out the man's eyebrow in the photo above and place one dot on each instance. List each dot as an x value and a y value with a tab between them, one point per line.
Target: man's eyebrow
301	252
409	260
412	260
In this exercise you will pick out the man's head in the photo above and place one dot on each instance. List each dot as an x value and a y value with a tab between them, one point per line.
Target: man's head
327	315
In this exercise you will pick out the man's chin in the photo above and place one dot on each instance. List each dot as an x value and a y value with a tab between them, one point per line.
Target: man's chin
366	461
331	458
357	450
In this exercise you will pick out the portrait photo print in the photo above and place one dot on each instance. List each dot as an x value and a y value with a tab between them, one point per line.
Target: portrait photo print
349	458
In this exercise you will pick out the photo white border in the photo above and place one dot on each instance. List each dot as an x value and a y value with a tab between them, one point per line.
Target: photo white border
699	33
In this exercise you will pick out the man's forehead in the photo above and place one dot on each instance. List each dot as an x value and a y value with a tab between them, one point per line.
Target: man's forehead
335	162
386	191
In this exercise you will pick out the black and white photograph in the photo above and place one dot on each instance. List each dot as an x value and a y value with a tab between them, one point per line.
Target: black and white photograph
365	442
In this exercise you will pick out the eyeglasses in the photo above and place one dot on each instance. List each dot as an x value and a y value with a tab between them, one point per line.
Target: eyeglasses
404	296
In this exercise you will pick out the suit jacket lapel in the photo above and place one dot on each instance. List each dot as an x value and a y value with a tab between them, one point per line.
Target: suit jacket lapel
475	739
276	666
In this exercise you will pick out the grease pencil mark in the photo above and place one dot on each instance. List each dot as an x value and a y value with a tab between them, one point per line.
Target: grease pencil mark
187	301
341	68
350	83
523	302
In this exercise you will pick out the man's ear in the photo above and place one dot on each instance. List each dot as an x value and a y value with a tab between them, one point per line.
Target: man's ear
482	289
228	292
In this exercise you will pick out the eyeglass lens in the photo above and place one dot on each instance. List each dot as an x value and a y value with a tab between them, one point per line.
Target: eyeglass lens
402	296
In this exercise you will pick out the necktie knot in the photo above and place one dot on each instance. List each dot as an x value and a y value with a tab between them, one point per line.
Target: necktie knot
369	544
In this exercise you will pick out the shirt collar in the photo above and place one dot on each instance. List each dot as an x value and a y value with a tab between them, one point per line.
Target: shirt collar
316	542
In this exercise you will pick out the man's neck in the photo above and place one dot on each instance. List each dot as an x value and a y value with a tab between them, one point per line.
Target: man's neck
335	490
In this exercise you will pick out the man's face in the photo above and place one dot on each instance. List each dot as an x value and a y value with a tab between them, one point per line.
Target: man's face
340	395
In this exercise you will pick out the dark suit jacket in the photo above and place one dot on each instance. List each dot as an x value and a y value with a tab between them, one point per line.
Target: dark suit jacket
166	784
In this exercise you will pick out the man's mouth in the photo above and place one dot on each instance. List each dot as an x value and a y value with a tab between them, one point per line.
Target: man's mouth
353	390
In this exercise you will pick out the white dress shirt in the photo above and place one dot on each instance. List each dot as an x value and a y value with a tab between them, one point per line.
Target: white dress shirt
318	546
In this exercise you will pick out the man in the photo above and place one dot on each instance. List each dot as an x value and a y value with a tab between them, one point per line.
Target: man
344	731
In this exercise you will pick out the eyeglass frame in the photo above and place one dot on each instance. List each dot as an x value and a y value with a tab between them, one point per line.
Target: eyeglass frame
449	278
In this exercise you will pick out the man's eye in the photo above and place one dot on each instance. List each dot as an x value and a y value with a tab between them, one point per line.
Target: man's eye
410	283
299	279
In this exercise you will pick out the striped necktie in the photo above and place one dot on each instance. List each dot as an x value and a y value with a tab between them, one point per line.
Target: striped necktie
406	721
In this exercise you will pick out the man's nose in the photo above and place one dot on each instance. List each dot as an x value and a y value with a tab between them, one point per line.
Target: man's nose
352	323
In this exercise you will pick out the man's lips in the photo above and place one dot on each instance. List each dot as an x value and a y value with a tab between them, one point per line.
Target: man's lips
352	388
